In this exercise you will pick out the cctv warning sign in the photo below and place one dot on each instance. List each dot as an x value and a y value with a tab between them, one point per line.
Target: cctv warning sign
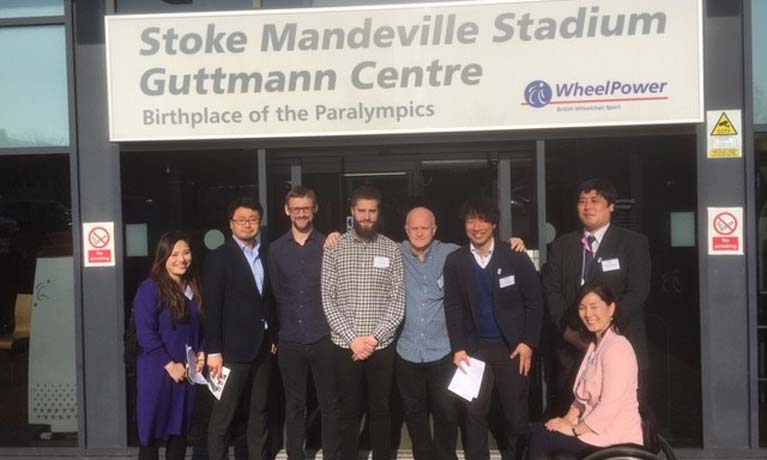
724	138
724	126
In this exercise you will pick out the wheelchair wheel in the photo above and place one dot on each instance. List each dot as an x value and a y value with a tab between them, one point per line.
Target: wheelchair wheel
634	452
666	452
623	453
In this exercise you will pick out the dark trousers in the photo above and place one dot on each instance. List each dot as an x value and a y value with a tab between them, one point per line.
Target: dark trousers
198	432
244	378
501	373
544	444
295	361
175	449
377	372
423	389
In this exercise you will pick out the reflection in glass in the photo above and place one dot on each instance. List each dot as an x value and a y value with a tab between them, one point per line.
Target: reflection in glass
325	3
38	391
759	44
760	147
34	109
164	191
180	6
762	412
31	8
655	178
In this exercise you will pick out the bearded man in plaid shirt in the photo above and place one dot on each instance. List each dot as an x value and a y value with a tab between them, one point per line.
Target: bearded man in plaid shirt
363	295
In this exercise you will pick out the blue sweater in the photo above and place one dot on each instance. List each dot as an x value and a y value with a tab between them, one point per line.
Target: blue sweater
488	327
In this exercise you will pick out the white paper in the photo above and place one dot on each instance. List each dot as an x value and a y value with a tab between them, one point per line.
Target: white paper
191	369
466	385
216	386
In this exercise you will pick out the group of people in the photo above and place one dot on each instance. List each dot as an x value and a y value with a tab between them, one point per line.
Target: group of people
361	313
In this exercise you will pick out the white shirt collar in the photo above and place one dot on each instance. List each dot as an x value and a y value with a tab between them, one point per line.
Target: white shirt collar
490	253
599	234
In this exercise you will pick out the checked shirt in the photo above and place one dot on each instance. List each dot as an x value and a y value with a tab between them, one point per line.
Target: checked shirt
363	290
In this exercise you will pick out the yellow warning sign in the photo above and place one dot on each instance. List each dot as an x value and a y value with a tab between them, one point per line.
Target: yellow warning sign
724	153
724	127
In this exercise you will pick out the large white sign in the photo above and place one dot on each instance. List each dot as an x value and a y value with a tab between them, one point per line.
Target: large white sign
461	66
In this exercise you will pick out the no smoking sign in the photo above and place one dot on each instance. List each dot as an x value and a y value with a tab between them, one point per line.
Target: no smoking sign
725	223
99	237
98	244
725	231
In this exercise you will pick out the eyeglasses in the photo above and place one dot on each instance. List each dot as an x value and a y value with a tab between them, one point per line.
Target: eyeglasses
250	220
297	211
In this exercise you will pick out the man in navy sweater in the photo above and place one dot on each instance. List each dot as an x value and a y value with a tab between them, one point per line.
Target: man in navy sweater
493	307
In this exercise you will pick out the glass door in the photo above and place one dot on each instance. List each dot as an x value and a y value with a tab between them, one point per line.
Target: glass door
430	176
442	182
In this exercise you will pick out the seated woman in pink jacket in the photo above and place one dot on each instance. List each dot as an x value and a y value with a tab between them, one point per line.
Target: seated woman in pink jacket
605	410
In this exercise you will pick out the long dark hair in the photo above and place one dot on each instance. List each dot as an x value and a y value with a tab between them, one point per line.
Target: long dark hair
607	296
171	294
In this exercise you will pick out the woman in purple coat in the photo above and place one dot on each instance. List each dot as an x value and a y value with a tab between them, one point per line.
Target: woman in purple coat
168	310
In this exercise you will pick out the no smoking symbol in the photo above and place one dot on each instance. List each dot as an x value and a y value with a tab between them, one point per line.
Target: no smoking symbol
98	237
725	223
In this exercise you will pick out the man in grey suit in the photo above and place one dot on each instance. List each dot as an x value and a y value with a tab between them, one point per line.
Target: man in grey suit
597	252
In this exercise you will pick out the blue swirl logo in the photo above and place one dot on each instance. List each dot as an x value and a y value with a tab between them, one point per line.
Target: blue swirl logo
538	94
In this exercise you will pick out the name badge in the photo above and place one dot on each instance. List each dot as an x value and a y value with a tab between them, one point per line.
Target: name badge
441	281
611	265
506	281
380	262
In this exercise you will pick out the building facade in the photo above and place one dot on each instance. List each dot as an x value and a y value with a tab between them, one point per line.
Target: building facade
69	164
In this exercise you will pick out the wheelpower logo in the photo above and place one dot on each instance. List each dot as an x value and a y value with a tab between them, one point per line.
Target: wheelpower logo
539	93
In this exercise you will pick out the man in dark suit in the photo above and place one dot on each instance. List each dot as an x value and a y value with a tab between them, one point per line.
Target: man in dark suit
494	309
598	252
240	316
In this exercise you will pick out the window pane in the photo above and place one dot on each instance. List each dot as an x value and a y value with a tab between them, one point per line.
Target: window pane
321	3
31	8
164	191
180	6
655	179
33	91
38	391
760	150
759	34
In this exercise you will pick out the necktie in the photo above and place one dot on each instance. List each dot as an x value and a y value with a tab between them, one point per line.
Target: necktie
588	256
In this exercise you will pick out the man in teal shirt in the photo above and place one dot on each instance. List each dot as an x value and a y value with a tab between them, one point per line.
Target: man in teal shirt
424	363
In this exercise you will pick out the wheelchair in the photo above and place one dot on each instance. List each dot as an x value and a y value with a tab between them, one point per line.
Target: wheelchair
634	452
659	448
